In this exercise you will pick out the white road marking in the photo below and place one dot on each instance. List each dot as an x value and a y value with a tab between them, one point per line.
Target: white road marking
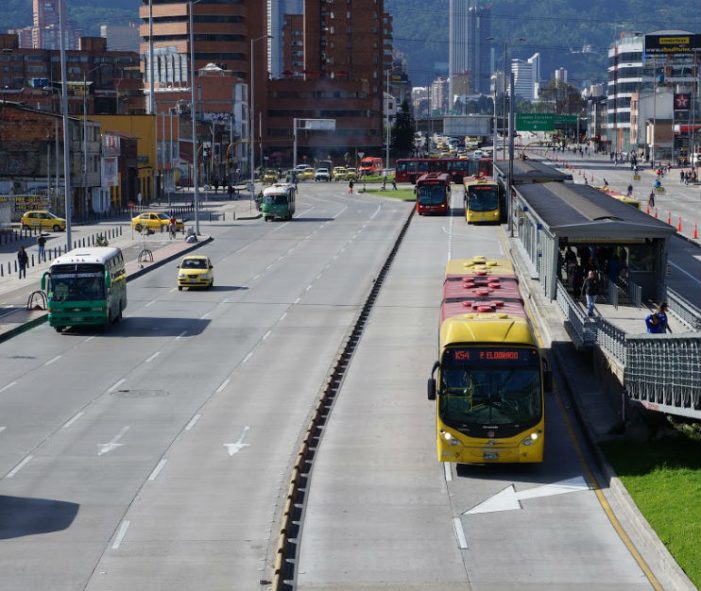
247	357
267	334
243	248
508	499
282	317
340	212
88	339
192	422
151	303
296	302
72	420
204	316
270	266
19	466
120	534
54	360
256	277
8	386
119	383
685	272
460	533
105	448
2	429
379	208
308	287
157	469
224	384
150	359
173	290
181	335
234	448
448	468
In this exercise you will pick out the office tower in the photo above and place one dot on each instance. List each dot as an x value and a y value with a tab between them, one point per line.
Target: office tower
121	37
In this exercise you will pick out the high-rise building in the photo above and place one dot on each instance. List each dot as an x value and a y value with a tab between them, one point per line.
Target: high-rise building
526	77
561	75
285	45
469	45
24	35
45	28
438	99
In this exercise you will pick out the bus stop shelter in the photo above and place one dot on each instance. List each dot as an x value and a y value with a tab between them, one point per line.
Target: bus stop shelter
529	171
559	221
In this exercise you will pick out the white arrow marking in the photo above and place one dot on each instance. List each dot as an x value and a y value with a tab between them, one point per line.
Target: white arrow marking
509	500
233	448
112	445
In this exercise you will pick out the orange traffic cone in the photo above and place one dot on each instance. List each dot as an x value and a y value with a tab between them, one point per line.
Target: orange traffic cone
679	224
647	209
669	218
696	232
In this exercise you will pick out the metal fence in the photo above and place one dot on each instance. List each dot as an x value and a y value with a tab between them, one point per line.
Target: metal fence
684	310
612	293
663	372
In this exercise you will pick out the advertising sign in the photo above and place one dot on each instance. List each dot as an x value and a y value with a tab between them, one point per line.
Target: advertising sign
666	44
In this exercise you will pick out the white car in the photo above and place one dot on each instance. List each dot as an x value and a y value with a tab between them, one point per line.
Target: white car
322	174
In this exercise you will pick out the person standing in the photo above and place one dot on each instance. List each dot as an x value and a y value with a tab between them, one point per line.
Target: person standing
22	261
590	289
651	199
350	187
41	242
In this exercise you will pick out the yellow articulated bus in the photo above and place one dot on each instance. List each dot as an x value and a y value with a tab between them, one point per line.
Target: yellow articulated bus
490	380
481	200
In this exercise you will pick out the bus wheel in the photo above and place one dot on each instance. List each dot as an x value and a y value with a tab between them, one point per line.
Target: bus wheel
180	287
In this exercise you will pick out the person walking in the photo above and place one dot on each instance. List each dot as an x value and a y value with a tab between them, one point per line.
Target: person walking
629	191
651	199
22	261
590	289
350	187
652	324
41	243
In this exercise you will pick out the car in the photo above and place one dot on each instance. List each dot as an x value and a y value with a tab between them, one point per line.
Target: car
322	175
270	177
195	270
42	219
302	167
339	173
306	175
352	174
155	221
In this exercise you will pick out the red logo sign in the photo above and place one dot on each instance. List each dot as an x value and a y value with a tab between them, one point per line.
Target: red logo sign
681	102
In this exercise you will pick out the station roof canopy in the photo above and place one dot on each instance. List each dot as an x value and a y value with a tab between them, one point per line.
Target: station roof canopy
581	212
530	171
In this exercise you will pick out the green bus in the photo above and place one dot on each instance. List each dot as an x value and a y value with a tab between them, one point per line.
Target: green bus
86	287
278	202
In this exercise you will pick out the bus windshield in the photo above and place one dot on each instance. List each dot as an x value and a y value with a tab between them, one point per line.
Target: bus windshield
431	194
77	282
484	388
275	199
482	198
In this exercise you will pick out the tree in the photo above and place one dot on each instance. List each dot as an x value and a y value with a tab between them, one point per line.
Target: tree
403	132
565	97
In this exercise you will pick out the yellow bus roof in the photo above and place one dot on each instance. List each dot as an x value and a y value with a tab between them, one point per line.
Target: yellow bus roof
471	180
492	328
479	263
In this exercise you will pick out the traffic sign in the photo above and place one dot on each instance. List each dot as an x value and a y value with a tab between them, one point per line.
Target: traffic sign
542	121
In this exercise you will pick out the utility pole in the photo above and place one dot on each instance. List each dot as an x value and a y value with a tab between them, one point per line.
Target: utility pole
509	200
66	135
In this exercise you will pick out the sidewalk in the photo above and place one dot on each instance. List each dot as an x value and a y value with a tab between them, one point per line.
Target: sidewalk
15	292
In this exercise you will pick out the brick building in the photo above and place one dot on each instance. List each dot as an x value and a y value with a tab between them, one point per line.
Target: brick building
33	77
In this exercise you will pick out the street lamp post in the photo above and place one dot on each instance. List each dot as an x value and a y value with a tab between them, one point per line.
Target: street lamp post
251	118
193	113
66	137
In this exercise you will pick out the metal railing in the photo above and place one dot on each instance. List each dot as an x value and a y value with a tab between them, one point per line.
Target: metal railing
635	293
583	328
683	310
612	293
612	340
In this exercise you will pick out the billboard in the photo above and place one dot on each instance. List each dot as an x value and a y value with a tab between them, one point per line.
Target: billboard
672	44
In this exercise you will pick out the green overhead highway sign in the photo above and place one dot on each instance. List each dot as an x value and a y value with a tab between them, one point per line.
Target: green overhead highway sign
542	121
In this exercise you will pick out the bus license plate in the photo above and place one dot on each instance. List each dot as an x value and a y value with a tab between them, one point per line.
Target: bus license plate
490	455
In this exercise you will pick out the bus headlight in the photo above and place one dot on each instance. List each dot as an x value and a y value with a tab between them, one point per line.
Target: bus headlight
531	439
448	438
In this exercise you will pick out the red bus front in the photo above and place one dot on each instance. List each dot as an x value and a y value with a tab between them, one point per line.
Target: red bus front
433	194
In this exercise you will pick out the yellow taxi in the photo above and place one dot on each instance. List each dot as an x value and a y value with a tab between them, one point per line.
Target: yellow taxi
42	219
155	221
306	175
195	270
270	177
352	174
339	173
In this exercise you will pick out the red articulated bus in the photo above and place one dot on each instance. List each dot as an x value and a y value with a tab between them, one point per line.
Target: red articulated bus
410	169
433	193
